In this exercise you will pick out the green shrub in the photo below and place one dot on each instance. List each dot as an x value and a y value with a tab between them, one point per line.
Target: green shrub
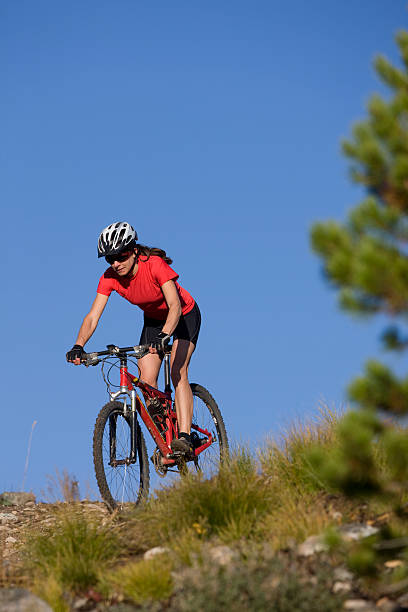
257	584
333	539
362	560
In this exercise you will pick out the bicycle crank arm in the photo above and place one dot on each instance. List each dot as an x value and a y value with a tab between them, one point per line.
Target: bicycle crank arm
175	456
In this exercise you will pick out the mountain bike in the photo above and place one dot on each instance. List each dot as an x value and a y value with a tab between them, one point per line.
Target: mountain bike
119	448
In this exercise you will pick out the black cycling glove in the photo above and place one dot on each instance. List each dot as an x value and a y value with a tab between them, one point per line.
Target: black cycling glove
161	341
75	353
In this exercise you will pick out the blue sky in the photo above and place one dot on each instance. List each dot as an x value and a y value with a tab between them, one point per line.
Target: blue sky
214	128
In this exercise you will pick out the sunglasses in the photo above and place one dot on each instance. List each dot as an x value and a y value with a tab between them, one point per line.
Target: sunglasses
121	257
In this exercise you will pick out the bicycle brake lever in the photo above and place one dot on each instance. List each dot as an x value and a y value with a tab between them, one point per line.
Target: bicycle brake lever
91	359
139	353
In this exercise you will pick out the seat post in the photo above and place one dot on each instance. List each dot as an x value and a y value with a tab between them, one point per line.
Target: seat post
167	387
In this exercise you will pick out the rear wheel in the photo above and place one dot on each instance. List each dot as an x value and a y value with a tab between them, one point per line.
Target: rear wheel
207	417
120	477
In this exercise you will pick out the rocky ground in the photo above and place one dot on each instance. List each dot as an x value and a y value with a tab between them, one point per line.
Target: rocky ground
20	511
15	518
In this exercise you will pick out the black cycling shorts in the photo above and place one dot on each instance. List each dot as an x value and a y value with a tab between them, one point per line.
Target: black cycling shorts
187	328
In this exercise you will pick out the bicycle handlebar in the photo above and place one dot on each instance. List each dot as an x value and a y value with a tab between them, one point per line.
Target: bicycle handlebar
138	351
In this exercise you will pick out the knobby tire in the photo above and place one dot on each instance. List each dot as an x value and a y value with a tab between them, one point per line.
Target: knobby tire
112	481
220	447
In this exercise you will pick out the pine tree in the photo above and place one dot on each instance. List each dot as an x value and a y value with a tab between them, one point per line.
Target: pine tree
366	260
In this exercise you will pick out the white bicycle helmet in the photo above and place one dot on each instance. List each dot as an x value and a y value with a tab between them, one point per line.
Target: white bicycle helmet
116	238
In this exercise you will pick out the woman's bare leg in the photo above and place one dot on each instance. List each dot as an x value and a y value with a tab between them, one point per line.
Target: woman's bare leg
149	368
179	361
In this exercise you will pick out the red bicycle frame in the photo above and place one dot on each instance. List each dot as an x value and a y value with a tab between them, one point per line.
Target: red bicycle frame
128	382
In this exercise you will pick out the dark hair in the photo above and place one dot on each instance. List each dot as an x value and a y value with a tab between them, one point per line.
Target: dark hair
147	251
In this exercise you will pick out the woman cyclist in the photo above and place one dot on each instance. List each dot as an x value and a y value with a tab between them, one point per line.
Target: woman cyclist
142	275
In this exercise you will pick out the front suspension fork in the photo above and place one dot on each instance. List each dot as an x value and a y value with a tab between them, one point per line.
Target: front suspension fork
133	424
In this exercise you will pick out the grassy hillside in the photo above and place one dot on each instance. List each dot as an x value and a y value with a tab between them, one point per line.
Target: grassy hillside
229	541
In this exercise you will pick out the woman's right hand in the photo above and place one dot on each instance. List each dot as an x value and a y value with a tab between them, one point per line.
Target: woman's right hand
75	354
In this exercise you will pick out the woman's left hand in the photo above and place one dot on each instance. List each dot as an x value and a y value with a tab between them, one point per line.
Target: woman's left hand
160	343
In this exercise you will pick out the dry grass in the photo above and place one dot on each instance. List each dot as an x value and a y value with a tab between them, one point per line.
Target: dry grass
50	589
296	517
275	496
286	460
62	487
143	581
228	506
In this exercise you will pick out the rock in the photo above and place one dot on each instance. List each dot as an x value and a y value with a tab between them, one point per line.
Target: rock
11	540
341	573
12	498
385	604
313	544
80	603
223	555
92	506
153	552
341	587
360	605
121	607
316	544
393	563
403	600
21	600
357	532
6	517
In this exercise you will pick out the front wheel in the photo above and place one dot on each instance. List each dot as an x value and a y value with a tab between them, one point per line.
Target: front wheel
121	477
207	417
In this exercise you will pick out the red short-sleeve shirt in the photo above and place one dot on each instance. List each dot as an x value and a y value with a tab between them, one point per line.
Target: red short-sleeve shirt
144	289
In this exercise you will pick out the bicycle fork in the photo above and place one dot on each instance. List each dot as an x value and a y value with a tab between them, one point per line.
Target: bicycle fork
131	417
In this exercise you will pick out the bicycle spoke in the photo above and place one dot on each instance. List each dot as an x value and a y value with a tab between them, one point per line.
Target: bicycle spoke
206	417
121	477
120	480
